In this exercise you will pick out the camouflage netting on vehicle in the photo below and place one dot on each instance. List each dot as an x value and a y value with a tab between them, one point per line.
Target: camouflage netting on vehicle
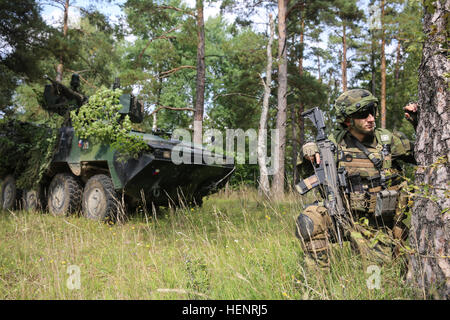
26	151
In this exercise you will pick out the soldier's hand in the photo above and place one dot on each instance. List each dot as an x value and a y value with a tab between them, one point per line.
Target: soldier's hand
311	152
411	111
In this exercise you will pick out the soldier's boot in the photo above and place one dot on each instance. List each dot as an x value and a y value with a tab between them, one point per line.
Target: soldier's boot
312	229
400	231
372	247
317	254
400	253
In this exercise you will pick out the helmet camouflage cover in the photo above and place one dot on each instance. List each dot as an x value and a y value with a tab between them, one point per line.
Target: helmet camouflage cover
352	101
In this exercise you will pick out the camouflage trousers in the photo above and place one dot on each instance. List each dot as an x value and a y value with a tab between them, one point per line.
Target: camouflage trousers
377	240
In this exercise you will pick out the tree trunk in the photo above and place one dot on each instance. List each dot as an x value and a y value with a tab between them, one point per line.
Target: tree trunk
430	221
201	70
158	103
318	68
398	56
302	40
297	135
301	121
264	185
301	130
396	101
372	64
294	144
397	69
155	122
383	70
278	180
344	59
60	66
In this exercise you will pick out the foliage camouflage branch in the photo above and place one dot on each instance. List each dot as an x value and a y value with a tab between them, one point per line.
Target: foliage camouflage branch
27	150
99	120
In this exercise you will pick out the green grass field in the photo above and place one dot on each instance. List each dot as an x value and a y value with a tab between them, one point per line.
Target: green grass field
237	246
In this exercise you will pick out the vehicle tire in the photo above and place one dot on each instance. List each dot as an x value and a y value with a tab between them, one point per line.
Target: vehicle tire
32	200
8	193
100	200
64	194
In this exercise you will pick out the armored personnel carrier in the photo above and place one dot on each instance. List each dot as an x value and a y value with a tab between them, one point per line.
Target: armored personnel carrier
89	177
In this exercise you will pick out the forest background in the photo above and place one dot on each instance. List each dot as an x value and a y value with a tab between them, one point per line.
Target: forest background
155	48
253	65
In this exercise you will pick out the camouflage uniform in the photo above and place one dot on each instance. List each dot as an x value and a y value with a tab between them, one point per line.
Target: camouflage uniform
373	237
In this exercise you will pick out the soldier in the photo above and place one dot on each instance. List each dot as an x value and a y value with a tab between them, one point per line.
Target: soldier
370	157
62	100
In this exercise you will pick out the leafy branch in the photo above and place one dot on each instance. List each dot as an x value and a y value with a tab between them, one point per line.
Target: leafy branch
99	120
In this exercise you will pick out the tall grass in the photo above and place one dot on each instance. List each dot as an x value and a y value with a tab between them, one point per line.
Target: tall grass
237	246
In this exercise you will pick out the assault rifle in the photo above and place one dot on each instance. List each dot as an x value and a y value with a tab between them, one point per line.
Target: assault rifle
332	180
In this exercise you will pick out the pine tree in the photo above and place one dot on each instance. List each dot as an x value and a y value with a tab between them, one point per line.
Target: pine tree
430	222
24	43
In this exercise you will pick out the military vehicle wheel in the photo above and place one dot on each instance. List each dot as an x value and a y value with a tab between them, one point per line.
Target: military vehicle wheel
99	198
8	193
64	194
32	200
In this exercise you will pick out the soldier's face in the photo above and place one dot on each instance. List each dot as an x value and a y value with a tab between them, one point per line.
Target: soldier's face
364	126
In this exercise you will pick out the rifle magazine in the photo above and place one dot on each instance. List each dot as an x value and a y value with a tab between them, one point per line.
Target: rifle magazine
307	184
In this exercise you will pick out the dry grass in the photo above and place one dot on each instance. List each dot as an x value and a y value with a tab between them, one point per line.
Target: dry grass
237	246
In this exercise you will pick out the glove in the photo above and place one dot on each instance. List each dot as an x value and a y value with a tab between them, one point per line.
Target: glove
309	149
411	113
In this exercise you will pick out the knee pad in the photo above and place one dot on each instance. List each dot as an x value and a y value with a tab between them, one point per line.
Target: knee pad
305	227
313	223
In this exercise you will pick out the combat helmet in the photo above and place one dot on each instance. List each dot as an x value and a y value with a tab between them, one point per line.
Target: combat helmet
353	101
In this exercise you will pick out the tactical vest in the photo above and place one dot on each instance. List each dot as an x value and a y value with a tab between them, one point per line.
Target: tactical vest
365	180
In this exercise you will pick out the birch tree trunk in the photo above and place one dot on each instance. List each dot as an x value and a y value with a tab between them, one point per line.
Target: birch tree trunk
301	121
296	118
155	122
264	185
158	103
201	71
278	180
430	222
